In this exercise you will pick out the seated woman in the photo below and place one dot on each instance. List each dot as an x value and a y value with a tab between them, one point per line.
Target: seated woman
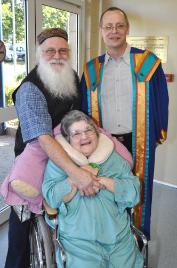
22	186
94	231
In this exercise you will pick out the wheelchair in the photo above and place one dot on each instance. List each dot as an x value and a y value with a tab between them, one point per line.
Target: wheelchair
42	247
43	241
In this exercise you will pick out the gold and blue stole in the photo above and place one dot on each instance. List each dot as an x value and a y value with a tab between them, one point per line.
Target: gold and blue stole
93	72
143	66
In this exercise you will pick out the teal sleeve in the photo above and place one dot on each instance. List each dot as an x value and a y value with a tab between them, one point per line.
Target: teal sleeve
55	185
127	188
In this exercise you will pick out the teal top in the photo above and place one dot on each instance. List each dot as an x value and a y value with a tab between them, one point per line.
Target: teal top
102	217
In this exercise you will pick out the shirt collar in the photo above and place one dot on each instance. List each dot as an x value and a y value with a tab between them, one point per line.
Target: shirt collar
125	56
107	58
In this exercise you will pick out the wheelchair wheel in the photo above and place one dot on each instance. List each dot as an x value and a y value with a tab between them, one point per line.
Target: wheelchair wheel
42	250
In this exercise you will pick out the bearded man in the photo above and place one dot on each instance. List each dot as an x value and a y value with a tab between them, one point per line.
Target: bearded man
48	92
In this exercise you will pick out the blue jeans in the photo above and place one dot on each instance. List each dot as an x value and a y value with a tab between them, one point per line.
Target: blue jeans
18	255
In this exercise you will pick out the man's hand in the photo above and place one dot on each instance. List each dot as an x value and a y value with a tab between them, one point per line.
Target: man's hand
86	182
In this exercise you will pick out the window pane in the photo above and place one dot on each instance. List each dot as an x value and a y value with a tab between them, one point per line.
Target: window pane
13	35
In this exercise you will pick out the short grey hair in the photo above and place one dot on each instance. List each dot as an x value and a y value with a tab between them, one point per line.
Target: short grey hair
114	9
72	117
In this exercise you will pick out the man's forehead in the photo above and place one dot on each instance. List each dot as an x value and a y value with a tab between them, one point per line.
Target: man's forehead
112	14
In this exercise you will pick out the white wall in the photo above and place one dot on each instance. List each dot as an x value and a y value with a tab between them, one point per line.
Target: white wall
158	18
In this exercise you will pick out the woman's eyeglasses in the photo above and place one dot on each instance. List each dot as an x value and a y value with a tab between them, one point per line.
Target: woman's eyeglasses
77	135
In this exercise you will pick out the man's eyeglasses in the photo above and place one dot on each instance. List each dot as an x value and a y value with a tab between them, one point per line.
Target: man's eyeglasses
50	52
117	27
77	135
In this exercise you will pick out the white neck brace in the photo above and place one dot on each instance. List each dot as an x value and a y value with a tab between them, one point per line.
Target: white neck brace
101	154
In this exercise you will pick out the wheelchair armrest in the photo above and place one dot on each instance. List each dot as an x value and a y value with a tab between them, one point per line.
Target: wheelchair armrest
137	232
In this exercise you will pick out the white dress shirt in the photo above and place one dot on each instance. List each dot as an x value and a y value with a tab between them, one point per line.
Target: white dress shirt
116	94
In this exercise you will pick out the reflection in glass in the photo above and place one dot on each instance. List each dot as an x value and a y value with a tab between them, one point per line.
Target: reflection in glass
13	35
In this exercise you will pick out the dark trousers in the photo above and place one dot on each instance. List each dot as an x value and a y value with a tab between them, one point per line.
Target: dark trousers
19	249
126	139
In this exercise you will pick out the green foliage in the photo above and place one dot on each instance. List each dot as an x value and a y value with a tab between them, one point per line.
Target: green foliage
9	88
20	77
20	24
8	94
7	21
53	17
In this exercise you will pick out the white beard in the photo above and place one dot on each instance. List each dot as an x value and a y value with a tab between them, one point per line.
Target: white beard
60	82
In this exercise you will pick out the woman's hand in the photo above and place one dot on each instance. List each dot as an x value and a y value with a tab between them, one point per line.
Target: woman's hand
70	196
108	183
